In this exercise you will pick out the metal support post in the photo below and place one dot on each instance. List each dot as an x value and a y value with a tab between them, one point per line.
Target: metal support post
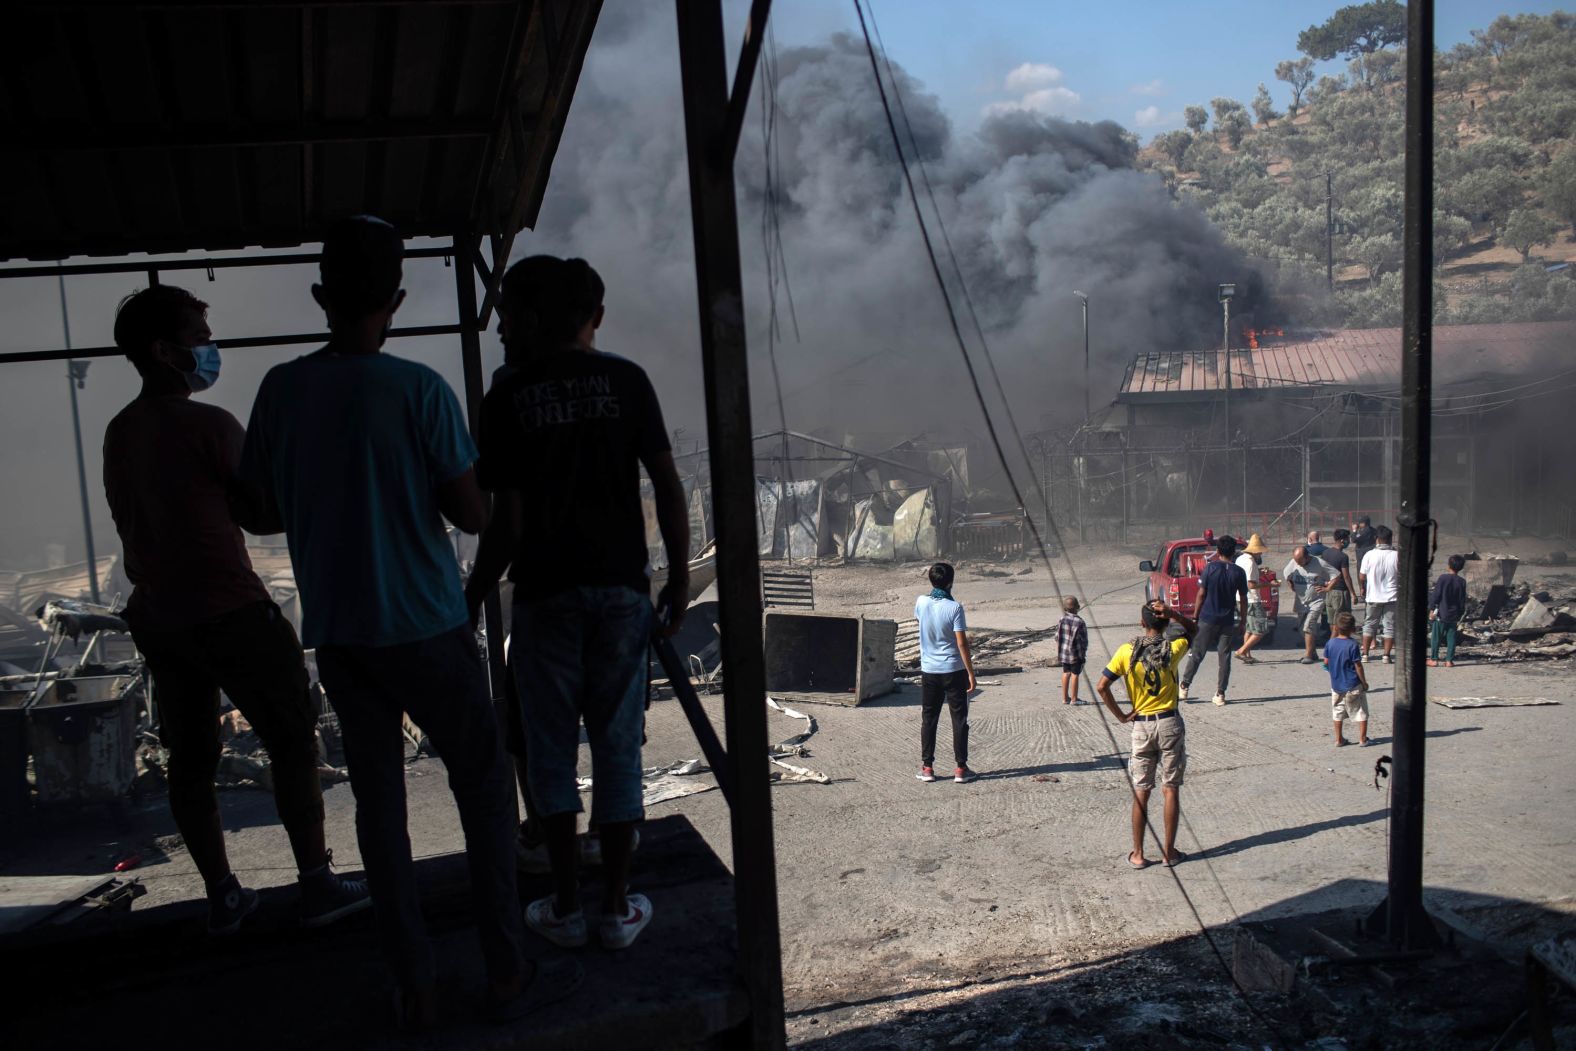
714	210
471	360
1225	343
76	374
1401	915
1329	229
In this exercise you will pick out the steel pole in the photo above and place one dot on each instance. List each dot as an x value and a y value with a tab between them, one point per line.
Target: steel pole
471	365
1225	340
1329	229
703	69
72	379
1403	918
1085	301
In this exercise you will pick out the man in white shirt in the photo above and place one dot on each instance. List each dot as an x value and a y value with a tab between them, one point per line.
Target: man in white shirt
1258	619
1379	577
946	672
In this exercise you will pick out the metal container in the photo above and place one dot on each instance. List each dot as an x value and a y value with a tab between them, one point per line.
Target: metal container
829	658
84	737
16	795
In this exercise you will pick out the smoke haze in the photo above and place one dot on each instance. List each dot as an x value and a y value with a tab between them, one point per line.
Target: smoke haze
1035	207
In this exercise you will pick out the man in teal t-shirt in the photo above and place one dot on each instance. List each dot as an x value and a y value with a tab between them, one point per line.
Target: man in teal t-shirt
361	456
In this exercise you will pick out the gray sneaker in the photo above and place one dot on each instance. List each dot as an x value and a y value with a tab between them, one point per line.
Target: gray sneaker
326	897
228	906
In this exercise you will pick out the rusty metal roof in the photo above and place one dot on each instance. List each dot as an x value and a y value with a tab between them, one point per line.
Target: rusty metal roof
158	127
1356	359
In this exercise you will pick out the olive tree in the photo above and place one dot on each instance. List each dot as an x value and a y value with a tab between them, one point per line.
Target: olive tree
1298	74
1524	228
1264	106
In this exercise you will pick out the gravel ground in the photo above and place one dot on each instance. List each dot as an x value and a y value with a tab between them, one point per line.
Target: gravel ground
913	913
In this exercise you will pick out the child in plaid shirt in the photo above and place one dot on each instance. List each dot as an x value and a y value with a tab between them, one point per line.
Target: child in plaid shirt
1072	645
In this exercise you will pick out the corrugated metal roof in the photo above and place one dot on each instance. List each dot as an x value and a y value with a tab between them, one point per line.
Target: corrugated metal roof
202	126
1358	359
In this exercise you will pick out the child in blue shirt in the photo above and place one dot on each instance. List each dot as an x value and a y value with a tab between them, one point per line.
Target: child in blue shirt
1348	685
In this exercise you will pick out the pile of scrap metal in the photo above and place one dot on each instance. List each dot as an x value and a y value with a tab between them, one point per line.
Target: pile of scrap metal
1506	620
81	725
818	498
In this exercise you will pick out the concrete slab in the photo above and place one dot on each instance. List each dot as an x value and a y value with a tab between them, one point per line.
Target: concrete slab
275	985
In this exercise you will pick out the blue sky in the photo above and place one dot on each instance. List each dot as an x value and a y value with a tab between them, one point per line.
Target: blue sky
1137	63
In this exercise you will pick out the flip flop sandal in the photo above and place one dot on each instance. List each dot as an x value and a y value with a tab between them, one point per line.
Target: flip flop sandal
1177	857
550	982
1134	865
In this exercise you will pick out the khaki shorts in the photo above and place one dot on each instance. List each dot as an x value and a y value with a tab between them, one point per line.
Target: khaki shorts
1380	620
1336	602
1353	705
1162	741
1258	619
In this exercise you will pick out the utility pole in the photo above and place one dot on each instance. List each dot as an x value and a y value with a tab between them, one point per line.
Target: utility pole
1401	916
1084	299
1226	291
1329	229
77	376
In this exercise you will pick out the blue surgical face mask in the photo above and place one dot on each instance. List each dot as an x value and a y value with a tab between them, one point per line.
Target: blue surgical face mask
205	368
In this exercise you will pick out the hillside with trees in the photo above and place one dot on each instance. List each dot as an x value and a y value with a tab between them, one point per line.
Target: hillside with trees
1505	215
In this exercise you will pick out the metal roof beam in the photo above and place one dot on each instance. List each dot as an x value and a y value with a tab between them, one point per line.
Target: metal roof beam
227	344
93	139
205	263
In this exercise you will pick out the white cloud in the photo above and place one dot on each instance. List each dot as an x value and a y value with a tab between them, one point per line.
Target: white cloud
1148	117
1039	89
1032	76
1153	87
1052	102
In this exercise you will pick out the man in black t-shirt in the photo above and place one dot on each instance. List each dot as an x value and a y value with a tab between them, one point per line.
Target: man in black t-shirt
564	434
1338	590
1363	541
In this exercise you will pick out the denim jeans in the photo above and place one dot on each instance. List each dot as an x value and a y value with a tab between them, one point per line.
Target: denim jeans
441	683
580	654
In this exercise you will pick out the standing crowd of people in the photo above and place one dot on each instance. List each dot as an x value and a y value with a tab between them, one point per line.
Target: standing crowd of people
360	458
1158	667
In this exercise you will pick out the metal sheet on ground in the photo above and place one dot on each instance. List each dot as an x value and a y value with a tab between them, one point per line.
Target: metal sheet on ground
1492	702
29	900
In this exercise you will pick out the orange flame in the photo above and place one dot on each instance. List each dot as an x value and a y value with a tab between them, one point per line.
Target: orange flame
1253	335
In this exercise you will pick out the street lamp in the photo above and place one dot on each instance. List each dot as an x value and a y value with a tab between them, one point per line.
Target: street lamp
76	379
1226	291
1084	299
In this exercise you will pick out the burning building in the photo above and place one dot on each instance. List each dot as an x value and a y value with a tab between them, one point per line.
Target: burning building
1303	428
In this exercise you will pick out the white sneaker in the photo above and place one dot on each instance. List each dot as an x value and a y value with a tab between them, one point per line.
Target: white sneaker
568	932
618	932
1182	693
1219	699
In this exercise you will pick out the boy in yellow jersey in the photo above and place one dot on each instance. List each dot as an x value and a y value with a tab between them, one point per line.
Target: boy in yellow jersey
1148	665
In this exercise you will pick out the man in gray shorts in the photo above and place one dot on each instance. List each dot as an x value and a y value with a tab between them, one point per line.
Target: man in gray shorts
1308	576
1379	573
